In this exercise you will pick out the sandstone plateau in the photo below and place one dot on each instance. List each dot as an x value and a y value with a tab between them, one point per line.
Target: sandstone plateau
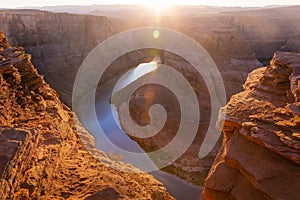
41	154
260	153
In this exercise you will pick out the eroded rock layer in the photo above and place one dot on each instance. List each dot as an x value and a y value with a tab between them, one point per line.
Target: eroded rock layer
41	154
260	155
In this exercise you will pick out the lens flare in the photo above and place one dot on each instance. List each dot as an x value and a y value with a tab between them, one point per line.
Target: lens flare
156	34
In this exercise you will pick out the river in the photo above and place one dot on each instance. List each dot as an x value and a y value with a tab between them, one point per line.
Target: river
108	120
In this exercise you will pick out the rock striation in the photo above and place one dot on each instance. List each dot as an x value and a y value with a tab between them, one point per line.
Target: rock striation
260	154
41	154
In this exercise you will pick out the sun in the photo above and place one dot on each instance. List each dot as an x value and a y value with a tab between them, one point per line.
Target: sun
160	6
157	5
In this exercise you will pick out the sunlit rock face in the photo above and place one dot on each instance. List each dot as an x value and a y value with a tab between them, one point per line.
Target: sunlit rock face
42	156
260	154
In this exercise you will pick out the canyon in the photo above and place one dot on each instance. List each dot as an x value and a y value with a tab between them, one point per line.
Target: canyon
238	41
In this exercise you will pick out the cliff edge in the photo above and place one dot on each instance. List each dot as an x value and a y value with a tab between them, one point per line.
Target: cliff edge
260	154
41	155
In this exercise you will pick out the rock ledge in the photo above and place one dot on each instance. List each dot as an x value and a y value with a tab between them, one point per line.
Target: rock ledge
260	155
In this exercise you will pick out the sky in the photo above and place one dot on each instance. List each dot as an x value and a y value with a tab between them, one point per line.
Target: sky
243	3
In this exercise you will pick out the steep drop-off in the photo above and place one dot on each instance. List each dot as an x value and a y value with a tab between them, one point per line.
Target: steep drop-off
41	155
260	154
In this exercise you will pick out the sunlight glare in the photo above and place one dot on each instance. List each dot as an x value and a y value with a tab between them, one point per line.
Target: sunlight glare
157	5
145	68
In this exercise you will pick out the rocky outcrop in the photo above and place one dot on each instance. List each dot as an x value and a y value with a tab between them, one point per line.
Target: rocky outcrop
42	156
260	154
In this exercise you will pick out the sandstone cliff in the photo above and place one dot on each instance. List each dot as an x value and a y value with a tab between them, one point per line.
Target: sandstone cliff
260	154
41	155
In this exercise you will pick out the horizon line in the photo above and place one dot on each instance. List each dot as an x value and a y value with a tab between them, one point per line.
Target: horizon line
175	4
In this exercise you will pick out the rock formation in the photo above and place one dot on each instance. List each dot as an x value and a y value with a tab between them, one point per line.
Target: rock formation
41	154
260	154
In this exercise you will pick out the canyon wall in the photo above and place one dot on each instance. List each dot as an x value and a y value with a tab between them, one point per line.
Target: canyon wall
58	43
268	30
260	153
42	156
